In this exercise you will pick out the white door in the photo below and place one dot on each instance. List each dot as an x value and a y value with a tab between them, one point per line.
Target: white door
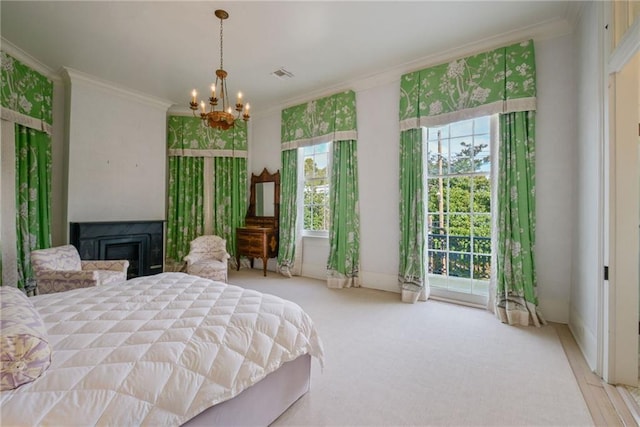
622	309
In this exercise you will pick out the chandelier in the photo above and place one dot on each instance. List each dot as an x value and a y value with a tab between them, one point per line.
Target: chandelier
224	117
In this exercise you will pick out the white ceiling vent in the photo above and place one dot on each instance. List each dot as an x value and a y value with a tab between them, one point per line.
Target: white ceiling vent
282	74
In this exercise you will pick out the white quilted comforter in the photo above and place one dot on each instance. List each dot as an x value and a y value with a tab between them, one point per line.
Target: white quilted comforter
157	350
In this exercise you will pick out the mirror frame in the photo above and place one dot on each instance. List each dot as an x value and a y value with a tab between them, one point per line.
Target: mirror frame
265	176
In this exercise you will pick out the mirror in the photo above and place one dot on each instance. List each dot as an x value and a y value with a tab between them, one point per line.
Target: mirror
265	195
265	199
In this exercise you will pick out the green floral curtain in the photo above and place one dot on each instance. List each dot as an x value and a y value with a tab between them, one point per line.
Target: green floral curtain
323	120
343	264
411	277
516	300
332	118
498	81
185	211
33	196
26	99
191	147
26	96
230	199
288	212
501	81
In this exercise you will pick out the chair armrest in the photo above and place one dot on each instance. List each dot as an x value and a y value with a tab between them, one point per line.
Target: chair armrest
191	258
113	265
50	281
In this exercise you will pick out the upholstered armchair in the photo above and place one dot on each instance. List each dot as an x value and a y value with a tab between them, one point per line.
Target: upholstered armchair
208	258
60	269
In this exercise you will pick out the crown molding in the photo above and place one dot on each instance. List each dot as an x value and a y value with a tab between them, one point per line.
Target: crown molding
550	29
78	76
574	12
29	60
179	110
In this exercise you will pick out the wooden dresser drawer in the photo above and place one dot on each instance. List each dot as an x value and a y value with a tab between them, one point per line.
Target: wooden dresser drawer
256	242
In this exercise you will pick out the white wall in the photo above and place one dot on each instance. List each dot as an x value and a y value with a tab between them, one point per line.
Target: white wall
378	140
116	152
556	145
586	274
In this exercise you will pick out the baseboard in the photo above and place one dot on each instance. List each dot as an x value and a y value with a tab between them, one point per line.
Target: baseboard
585	339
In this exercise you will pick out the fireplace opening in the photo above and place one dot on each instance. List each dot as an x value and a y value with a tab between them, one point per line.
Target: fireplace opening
139	242
131	248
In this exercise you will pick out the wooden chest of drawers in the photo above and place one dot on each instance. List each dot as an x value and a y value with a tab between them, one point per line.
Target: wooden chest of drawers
256	242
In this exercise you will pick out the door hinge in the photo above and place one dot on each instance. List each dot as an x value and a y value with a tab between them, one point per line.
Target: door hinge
606	272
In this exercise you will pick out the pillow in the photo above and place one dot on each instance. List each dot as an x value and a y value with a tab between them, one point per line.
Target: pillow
25	353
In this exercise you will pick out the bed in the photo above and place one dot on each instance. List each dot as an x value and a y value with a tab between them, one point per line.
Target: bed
169	349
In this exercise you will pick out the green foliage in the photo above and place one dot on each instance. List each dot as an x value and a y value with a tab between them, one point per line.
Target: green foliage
459	207
316	197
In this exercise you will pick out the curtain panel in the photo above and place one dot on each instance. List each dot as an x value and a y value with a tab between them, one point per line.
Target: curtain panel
26	99
411	277
499	81
219	197
185	216
289	237
26	96
33	196
343	264
332	118
516	300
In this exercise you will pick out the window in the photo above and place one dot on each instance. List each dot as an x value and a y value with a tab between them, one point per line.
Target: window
458	159
315	172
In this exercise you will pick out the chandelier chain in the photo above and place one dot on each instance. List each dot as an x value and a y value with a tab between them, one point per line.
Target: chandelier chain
221	67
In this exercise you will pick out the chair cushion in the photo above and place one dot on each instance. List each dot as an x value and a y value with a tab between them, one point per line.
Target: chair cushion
25	353
108	276
209	269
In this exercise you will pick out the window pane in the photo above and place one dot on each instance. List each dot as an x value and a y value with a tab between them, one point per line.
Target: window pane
437	262
482	155
433	133
437	160
461	152
482	227
482	266
459	224
463	128
459	193
481	125
481	194
459	265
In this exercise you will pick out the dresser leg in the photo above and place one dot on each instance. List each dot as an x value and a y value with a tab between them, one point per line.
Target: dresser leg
264	266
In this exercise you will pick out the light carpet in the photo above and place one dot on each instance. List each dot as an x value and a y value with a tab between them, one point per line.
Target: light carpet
432	363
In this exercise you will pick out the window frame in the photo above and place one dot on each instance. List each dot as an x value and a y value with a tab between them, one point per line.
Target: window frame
301	185
448	293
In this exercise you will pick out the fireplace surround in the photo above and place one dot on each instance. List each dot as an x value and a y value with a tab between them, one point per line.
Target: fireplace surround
140	242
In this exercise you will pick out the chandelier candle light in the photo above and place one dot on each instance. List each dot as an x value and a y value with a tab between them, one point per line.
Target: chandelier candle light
223	118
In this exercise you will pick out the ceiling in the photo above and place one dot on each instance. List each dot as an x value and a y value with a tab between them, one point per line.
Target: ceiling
166	49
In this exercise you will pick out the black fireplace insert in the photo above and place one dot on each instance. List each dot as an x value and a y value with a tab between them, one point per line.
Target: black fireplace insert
139	242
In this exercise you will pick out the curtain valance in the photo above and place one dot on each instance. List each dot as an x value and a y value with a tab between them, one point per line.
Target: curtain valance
332	118
187	137
25	95
499	81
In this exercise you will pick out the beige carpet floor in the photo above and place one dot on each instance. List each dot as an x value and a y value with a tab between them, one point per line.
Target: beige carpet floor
432	363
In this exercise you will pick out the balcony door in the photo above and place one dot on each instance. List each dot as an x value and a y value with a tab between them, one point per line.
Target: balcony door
458	158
